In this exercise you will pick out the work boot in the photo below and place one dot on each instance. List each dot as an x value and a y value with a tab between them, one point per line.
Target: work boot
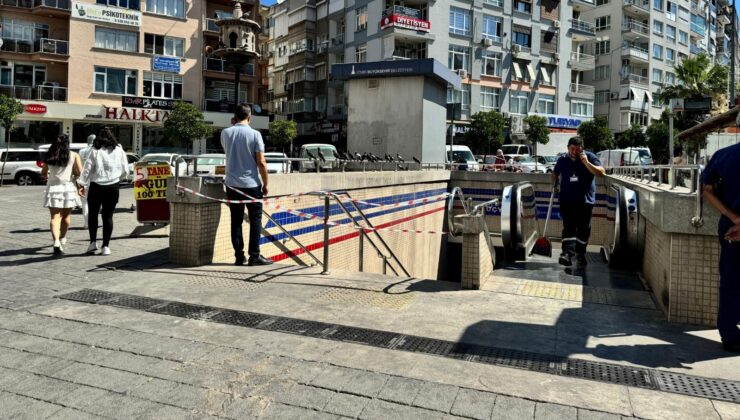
240	260
259	260
565	259
732	347
581	260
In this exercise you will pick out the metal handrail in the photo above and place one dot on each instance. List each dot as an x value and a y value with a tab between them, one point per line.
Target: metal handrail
456	193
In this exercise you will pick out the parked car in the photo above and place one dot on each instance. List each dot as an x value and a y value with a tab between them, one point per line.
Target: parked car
646	157
132	159
278	163
548	161
619	157
461	157
490	163
526	164
308	150
206	164
75	147
171	158
23	165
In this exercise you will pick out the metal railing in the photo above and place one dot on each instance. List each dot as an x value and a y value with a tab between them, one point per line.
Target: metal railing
583	59
582	89
40	93
211	25
476	211
30	4
698	29
636	78
51	46
583	26
635	26
217	64
636	52
640	4
672	176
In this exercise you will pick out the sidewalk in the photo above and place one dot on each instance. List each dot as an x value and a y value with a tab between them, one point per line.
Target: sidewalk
67	359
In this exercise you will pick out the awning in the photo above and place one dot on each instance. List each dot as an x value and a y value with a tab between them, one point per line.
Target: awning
649	96
517	70
635	94
530	70
545	75
715	123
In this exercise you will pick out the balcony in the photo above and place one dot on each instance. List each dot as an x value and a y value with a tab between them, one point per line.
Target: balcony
37	93
581	30
218	105
582	62
406	21
695	9
211	25
221	66
636	79
633	29
635	53
582	5
48	7
582	91
337	112
723	19
639	7
42	46
697	29
696	50
336	43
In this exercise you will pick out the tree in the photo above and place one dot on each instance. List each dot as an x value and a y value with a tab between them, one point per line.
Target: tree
9	109
657	141
632	137
536	131
486	132
596	134
186	124
697	77
283	132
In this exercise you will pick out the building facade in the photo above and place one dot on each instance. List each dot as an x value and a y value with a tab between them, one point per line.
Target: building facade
81	65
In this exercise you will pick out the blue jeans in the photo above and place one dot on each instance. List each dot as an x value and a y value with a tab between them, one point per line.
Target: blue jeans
728	315
237	218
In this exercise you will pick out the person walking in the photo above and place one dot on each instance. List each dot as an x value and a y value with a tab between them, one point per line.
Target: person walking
60	195
246	171
722	190
103	170
84	153
577	171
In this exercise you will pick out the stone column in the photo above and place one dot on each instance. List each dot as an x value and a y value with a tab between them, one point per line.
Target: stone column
477	261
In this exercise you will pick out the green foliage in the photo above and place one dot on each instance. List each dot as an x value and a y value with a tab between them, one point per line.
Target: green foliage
657	140
596	134
632	137
486	133
697	77
9	109
186	123
283	132
536	129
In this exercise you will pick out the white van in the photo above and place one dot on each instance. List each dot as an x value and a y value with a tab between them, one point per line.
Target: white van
457	153
619	157
516	149
311	151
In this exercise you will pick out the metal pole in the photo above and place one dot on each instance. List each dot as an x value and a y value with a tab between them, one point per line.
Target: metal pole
362	251
671	174
733	46
237	74
327	205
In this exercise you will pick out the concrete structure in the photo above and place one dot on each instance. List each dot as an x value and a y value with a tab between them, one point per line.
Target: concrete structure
91	64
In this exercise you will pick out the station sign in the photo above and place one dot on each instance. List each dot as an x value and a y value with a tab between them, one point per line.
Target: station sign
168	64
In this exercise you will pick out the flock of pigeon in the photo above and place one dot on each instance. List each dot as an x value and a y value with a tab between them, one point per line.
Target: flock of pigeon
348	156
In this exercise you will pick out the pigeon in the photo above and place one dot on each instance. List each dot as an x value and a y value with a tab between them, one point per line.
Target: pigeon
347	156
310	155
399	157
358	156
321	156
388	157
417	160
336	154
375	158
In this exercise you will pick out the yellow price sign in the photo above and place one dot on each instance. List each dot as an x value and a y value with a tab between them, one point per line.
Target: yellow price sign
151	181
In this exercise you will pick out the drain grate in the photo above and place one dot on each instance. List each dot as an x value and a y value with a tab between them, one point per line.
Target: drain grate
574	368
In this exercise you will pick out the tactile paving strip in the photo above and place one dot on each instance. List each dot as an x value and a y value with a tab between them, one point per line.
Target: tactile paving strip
575	368
367	298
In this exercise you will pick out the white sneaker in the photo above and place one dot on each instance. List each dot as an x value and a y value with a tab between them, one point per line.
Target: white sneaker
92	248
63	243
105	251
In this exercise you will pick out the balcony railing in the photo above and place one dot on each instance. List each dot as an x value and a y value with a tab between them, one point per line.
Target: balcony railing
695	9
636	78
695	50
43	45
211	25
636	52
401	10
30	4
582	26
216	64
497	3
698	29
36	93
580	89
583	59
337	39
641	4
635	26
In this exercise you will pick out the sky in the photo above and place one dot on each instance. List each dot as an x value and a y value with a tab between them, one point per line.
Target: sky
268	2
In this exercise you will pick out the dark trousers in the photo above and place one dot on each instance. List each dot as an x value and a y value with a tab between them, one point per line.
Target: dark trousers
728	315
105	196
237	218
576	226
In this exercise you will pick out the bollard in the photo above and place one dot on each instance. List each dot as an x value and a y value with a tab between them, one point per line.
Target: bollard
327	205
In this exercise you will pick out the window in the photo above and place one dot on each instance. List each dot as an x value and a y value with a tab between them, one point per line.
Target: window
113	39
657	52
126	4
601	97
670	33
657	76
683	37
163	45
522	6
546	104
601	72
459	21
23	30
460	96
361	18
492	28
497	3
658	27
581	109
670	10
115	81
458	58
658	5
602	2
522	71
522	38
670	55
602	47
491	62
490	98
603	23
640	119
519	102
547	74
683	14
670	78
361	54
174	8
162	85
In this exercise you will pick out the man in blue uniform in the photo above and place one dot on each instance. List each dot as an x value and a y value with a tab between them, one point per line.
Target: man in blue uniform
576	171
722	190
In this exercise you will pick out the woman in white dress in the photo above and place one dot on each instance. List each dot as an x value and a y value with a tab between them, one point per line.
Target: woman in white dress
61	195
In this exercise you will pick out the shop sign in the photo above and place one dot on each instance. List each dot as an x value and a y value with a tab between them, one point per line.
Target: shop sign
168	64
107	14
149	103
562	121
405	22
35	109
150	182
128	114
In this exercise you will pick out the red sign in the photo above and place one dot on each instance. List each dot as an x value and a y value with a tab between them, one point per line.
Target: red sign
35	109
129	114
406	22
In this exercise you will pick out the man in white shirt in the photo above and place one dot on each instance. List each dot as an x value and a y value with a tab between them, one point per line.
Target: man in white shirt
84	153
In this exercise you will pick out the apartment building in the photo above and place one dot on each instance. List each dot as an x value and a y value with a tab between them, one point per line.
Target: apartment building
81	65
517	57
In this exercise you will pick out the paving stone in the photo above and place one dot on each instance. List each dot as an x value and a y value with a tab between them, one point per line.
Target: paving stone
122	407
306	396
29	408
474	404
72	414
305	372
384	410
368	384
153	389
250	407
547	411
205	400
84	397
596	415
346	405
100	377
334	377
45	388
400	390
436	396
279	411
11	379
512	408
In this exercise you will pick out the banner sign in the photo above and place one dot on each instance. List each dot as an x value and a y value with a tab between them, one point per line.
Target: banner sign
405	22
107	14
168	64
148	103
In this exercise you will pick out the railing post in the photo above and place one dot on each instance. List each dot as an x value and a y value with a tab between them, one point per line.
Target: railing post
362	250
327	205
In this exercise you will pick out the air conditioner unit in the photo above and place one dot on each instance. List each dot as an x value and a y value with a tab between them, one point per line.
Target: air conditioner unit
505	114
517	124
556	24
487	42
516	48
556	56
462	73
614	96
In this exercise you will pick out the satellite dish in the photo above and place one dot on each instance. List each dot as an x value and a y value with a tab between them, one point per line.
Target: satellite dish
257	109
209	50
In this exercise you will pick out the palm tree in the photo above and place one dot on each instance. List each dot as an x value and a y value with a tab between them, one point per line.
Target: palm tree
698	77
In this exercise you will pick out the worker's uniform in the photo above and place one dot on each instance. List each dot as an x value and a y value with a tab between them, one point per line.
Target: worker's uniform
723	171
